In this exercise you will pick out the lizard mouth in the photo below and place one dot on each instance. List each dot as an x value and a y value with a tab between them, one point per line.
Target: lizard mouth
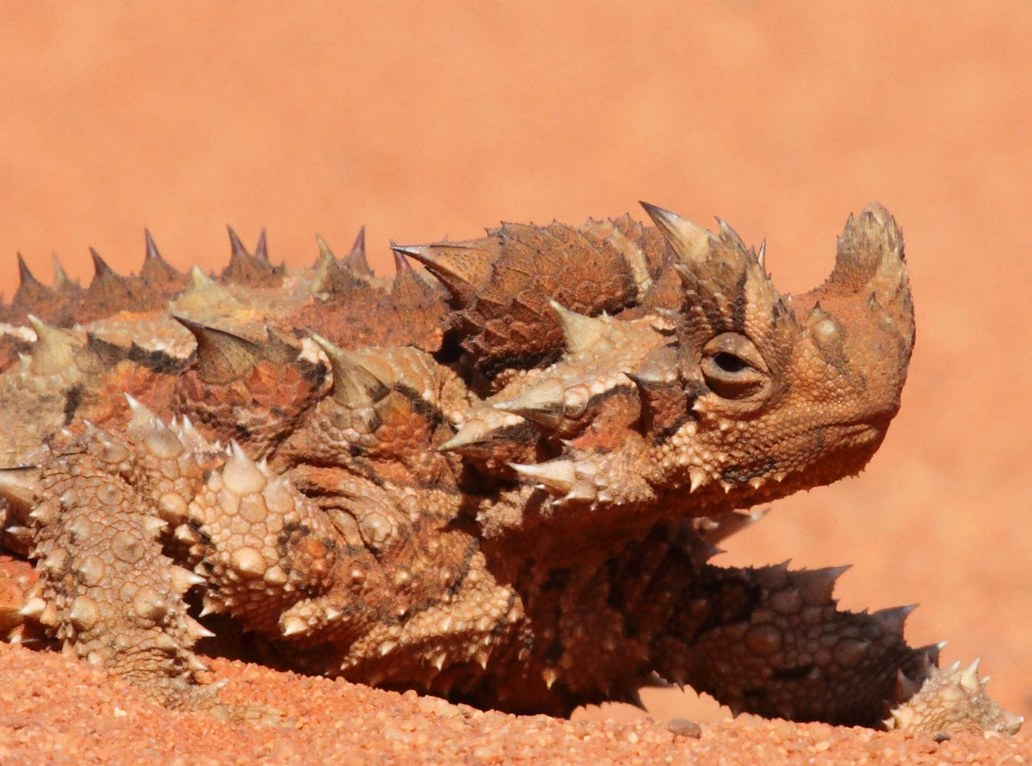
861	432
855	444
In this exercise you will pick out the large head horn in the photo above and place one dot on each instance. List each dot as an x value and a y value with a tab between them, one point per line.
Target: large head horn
871	265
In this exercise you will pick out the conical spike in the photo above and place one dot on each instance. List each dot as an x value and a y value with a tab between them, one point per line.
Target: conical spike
326	255
199	280
581	332
25	276
152	253
186	535
729	235
18	486
325	268
557	476
353	384
62	282
356	257
140	416
902	718
892	619
690	242
906	687
54	349
969	677
252	270
221	356
698	478
292	626
33	607
154	525
209	606
656	371
237	247
100	266
472	439
195	664
409	288
261	250
156	270
241	474
401	264
817	585
451	271
190	436
21	535
543	404
549	676
633	697
195	630
157	438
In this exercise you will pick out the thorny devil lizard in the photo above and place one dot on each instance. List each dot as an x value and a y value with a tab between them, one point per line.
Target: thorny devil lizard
500	484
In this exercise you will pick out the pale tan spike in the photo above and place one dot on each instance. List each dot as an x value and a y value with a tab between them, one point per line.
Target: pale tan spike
195	630
184	579
154	525
353	384
581	332
43	514
140	416
18	486
241	474
292	626
199	280
486	432
689	241
542	404
698	477
556	475
969	677
33	607
326	256
54	349
160	440
222	356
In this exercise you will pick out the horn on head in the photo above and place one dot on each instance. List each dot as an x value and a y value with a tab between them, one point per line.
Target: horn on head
871	265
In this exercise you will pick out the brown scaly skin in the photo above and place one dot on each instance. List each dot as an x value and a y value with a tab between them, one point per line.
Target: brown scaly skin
504	493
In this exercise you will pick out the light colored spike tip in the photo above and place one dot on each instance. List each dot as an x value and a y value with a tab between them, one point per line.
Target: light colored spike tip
953	700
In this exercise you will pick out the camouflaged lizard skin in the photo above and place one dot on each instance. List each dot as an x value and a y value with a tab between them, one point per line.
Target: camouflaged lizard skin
500	484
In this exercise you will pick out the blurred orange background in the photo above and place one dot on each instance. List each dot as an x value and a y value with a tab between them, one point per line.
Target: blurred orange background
425	119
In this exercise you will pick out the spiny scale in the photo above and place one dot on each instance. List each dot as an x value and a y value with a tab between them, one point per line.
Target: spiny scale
501	482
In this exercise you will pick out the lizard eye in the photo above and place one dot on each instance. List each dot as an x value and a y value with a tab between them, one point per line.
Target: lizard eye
733	367
729	363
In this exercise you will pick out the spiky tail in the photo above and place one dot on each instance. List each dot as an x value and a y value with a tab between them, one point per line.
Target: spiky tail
772	641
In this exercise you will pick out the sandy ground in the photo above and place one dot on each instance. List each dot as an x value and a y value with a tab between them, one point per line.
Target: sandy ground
420	120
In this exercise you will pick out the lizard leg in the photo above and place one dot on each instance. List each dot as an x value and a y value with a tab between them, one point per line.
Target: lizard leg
114	516
106	589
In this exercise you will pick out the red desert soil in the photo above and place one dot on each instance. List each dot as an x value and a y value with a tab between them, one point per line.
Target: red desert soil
443	117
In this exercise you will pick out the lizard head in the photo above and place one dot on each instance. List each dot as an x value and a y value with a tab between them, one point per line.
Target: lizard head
786	392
